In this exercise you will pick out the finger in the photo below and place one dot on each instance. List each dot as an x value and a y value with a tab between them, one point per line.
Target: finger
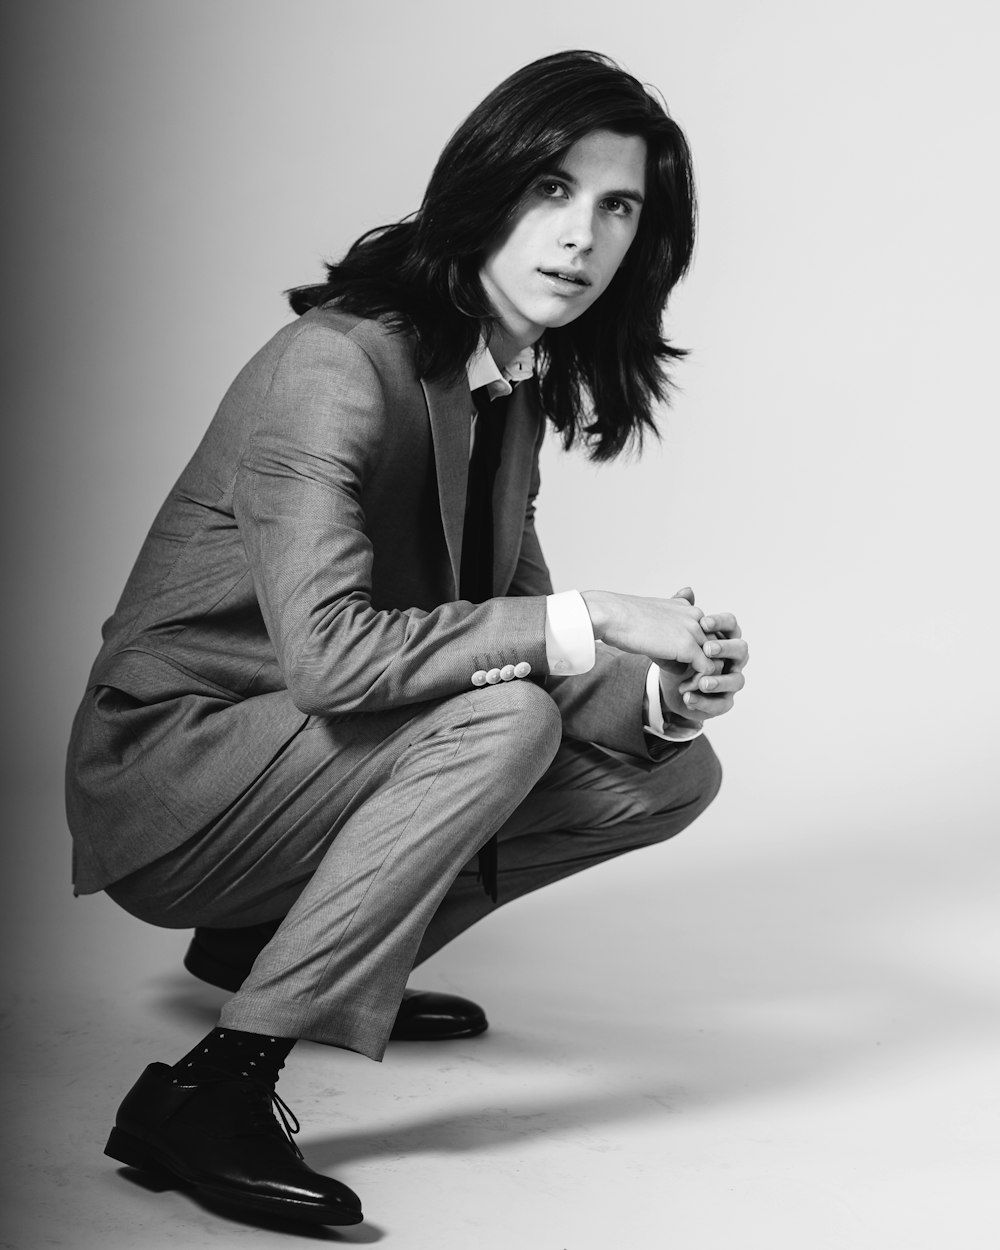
686	654
734	651
685	592
721	623
691	681
716	683
691	656
700	662
708	705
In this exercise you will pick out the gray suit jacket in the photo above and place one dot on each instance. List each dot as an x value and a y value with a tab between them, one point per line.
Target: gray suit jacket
306	563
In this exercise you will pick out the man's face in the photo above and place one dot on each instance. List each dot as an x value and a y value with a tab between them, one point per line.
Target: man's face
568	238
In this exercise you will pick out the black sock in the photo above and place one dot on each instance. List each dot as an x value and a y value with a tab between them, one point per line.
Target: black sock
231	1052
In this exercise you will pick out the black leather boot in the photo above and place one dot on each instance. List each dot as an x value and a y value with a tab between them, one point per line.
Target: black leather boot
221	1138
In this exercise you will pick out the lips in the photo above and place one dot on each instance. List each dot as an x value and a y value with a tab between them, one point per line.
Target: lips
566	275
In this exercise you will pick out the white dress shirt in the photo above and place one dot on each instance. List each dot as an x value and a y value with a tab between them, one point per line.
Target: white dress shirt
570	647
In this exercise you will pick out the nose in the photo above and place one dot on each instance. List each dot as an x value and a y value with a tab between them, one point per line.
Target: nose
577	230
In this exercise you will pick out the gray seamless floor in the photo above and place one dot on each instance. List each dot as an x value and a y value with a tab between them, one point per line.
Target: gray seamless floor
732	1042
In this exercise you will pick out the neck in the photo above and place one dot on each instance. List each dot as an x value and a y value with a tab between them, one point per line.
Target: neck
504	345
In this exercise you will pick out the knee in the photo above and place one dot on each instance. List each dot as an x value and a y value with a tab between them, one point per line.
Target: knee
526	723
689	784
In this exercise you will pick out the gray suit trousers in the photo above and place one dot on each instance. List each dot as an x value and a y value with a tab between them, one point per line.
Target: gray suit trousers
363	834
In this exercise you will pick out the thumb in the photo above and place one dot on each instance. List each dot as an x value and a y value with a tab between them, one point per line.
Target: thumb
685	592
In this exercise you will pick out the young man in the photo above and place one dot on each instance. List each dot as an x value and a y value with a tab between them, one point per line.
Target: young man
338	671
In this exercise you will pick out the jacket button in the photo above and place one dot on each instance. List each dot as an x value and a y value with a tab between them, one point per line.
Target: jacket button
522	669
493	676
479	678
507	672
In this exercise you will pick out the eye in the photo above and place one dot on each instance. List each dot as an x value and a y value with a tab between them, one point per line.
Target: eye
620	208
551	190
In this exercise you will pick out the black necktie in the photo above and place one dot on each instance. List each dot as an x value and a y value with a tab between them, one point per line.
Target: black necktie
476	574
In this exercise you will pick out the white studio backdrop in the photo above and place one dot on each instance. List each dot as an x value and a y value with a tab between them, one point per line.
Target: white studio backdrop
827	470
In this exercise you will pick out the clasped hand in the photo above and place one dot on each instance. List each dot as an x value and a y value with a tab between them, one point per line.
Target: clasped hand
701	657
689	692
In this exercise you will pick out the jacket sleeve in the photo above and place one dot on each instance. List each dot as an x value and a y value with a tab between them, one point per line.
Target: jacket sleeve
298	504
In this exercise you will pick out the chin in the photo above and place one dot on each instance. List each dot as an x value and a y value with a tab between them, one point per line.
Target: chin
567	318
561	315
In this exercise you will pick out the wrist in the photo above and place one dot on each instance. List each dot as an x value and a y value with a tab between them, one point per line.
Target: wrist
598	604
672	721
674	710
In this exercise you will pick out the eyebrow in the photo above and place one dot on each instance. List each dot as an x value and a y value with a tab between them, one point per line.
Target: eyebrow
624	193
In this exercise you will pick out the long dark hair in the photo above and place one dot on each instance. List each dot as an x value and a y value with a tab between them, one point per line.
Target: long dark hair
600	375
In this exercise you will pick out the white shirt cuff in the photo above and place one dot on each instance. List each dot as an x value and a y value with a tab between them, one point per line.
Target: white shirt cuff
569	634
652	711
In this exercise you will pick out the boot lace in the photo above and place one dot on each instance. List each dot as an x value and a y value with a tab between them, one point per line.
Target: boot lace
268	1104
265	1104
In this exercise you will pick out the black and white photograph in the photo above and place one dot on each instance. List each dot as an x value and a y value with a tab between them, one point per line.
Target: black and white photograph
500	526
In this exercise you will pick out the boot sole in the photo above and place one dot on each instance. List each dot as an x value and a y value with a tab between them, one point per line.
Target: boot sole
409	1033
125	1148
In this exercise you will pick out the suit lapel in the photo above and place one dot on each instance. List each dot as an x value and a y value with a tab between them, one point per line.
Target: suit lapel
449	406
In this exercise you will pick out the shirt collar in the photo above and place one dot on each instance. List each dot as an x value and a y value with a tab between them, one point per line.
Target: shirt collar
483	370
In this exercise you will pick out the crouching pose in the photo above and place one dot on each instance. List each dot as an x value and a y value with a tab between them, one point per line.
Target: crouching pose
340	713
